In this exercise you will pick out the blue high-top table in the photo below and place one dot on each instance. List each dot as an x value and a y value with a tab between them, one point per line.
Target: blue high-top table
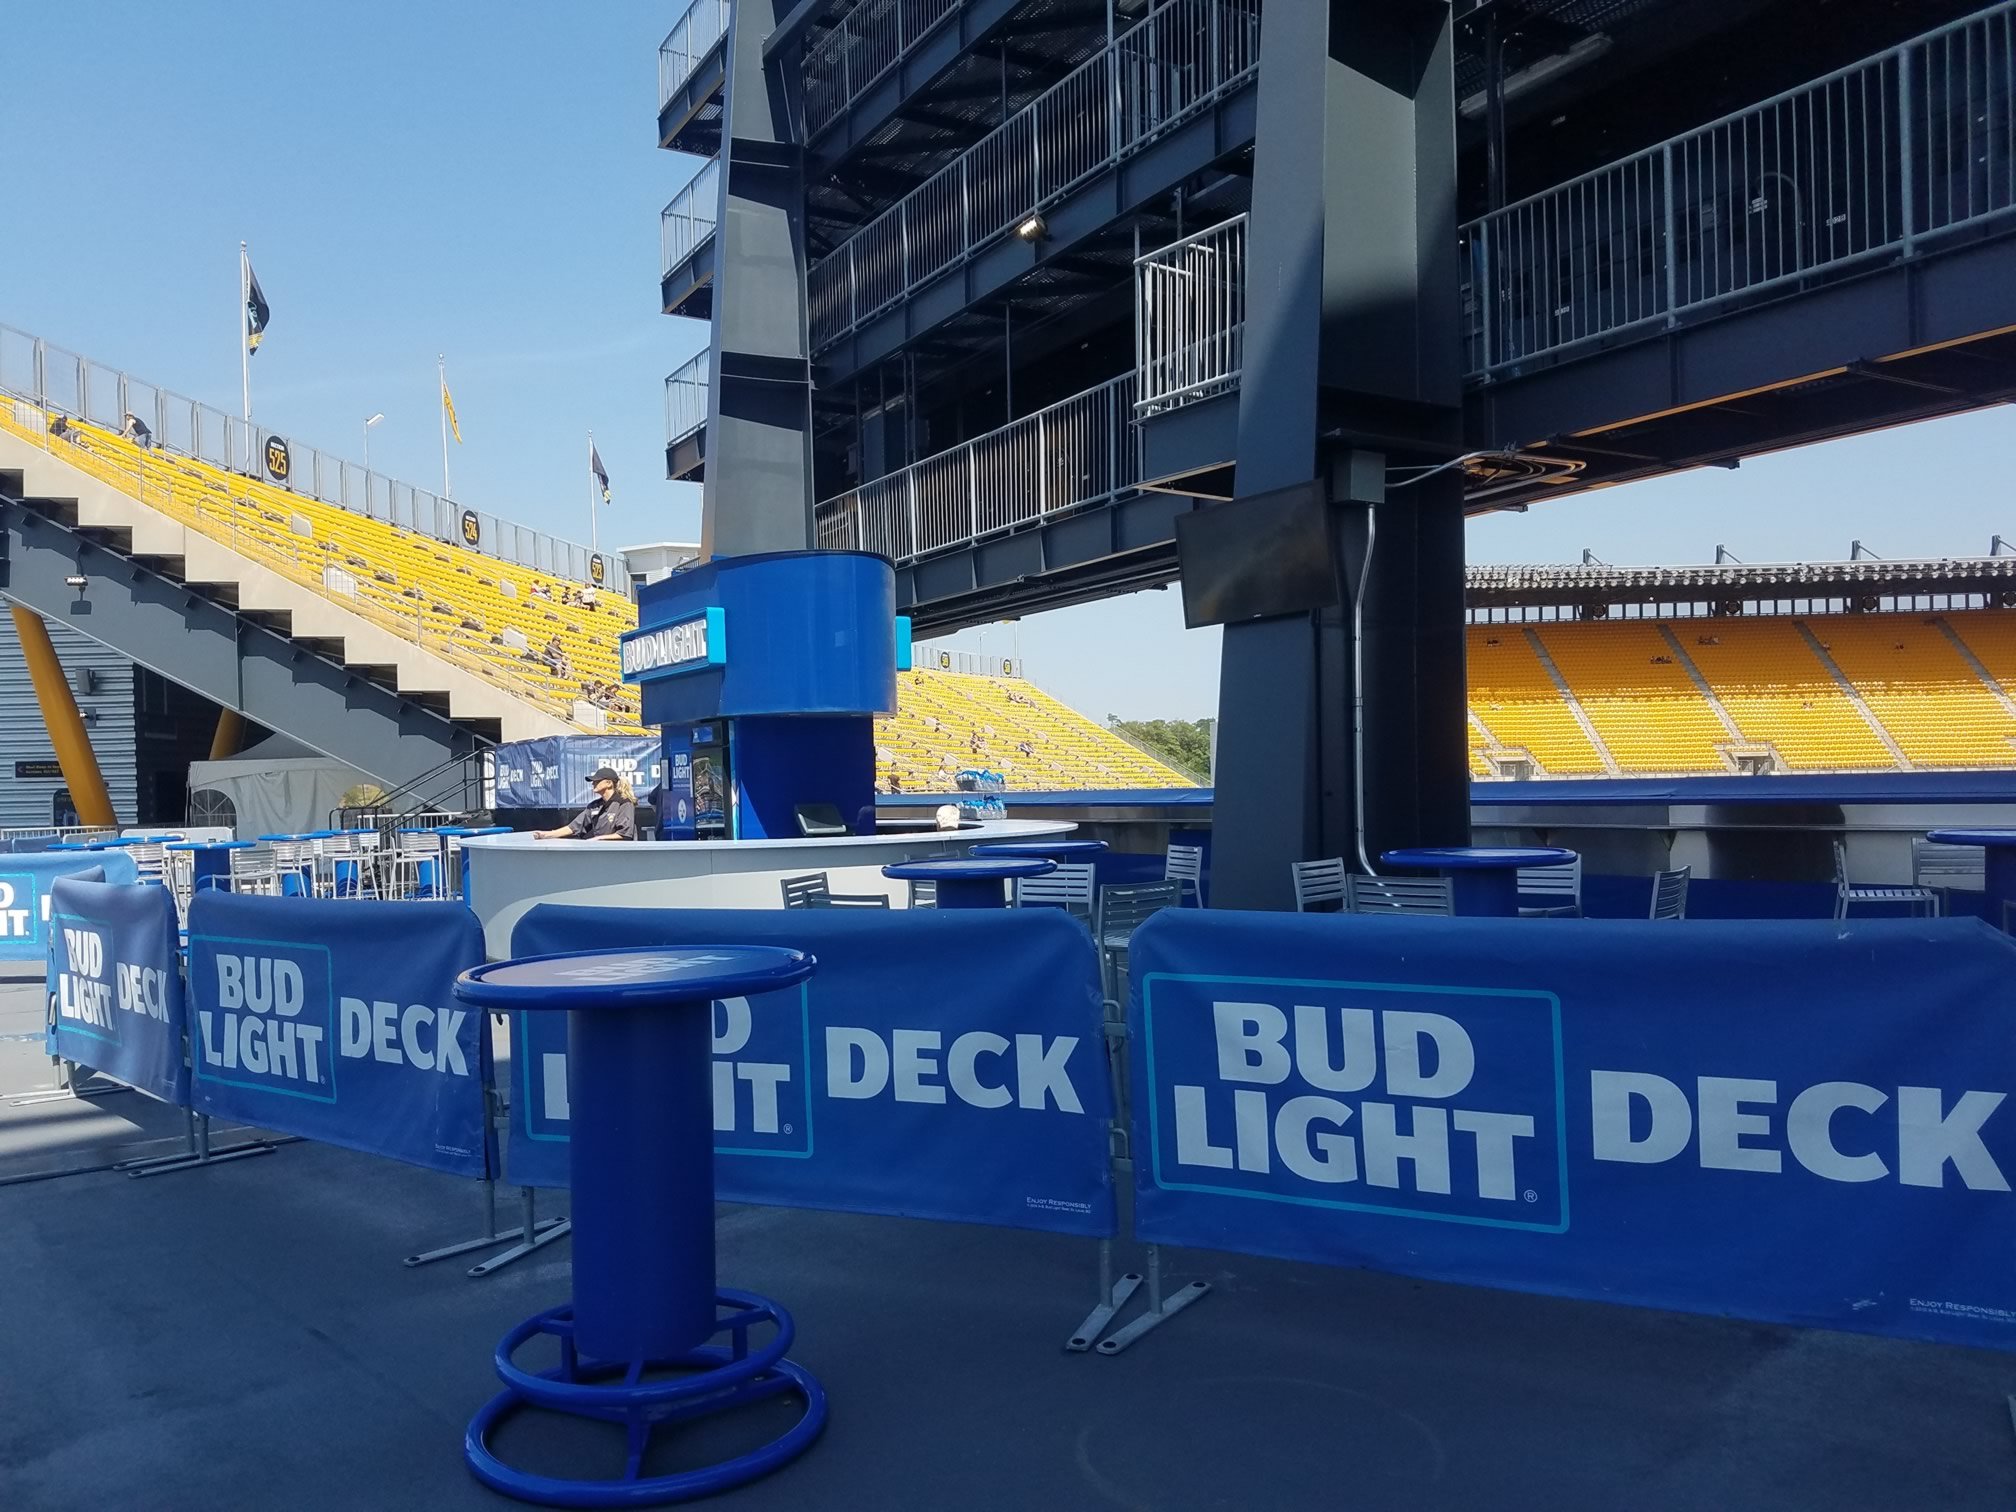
1064	851
641	1162
970	881
1484	879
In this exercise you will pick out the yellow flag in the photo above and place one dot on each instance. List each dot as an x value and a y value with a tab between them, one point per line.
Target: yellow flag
448	403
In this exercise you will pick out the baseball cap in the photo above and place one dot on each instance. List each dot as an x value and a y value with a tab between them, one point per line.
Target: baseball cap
603	774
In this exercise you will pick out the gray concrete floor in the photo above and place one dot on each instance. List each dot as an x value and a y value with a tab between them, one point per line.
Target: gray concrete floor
245	1337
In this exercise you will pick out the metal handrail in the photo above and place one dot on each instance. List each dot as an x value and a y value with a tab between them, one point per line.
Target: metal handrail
696	33
1079	452
868	42
1178	59
686	398
1190	317
688	222
57	381
1859	166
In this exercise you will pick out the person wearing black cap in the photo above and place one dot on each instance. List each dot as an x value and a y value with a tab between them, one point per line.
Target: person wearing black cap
612	816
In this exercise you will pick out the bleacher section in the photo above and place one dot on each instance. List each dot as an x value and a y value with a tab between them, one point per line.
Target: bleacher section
489	617
544	641
952	720
1518	705
1773	695
1643	705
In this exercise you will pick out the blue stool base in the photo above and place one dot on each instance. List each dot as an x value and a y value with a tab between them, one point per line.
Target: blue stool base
720	1378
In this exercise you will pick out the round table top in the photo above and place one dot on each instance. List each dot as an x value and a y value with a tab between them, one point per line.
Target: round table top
288	839
633	977
1056	850
196	845
1478	857
1971	835
969	869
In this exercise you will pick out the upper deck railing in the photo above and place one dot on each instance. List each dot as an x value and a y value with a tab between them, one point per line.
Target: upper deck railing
1190	317
1866	166
59	381
870	40
689	221
1176	60
696	33
686	398
1081	451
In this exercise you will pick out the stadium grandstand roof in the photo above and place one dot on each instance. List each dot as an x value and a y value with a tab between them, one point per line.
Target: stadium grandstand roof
1540	584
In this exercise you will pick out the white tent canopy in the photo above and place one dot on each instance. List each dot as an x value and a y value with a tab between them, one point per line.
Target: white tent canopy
277	787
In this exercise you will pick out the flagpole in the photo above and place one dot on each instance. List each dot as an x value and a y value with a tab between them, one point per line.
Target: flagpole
441	372
245	328
594	498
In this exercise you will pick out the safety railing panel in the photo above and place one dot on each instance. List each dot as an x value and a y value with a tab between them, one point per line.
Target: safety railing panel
686	399
1865	165
1190	318
689	221
55	381
696	33
1081	451
1176	60
869	41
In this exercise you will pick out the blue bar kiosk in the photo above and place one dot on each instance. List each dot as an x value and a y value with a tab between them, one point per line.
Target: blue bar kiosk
765	675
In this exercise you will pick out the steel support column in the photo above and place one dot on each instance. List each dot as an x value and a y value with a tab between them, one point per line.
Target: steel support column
758	486
1353	221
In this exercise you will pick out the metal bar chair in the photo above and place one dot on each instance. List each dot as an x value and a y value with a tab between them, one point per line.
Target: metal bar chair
1669	893
255	871
1184	865
1426	897
1069	887
1943	869
1319	885
1560	885
1122	908
1847	894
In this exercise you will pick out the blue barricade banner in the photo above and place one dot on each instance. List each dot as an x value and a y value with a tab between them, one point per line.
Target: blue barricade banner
936	1065
1789	1121
337	1020
552	771
25	900
115	984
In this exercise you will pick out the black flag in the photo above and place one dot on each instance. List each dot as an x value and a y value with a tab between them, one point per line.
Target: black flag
601	473
257	312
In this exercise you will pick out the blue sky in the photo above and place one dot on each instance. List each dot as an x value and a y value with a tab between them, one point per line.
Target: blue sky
483	181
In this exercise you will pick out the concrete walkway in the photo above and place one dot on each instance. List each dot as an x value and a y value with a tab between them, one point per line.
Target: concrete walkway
245	1339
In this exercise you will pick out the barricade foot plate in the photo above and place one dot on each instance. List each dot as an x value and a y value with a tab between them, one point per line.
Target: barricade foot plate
1171	1306
1097	1320
718	1379
217	1155
83	1092
544	1232
541	1230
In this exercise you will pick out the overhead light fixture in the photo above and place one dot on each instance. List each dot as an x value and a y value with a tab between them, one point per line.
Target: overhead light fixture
79	582
1033	228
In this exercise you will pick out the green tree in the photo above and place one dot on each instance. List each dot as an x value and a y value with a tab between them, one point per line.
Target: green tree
1184	744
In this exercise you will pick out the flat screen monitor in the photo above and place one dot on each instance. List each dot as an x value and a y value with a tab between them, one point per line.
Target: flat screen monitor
1255	557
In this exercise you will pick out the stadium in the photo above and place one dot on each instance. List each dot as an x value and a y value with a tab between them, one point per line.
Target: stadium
1538	1042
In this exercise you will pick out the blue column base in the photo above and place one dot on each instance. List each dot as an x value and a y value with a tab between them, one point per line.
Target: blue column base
720	1378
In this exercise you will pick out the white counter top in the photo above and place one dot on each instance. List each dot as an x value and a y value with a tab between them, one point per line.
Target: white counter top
509	874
